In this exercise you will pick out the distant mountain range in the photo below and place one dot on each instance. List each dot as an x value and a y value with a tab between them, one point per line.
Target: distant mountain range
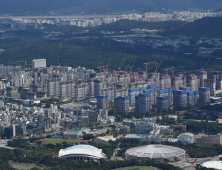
69	7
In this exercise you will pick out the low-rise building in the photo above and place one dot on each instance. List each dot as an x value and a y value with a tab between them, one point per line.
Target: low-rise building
104	139
141	138
72	134
207	140
154	138
178	127
146	125
166	131
186	138
219	120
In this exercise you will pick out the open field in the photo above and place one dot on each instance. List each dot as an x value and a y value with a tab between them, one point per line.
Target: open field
26	166
137	168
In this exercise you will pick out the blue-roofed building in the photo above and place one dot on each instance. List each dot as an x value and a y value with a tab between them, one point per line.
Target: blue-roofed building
122	103
57	136
102	102
132	93
143	102
180	98
190	98
204	94
163	103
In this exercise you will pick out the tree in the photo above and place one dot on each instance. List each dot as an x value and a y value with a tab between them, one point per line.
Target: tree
39	143
35	168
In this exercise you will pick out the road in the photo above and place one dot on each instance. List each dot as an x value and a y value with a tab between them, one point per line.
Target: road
62	16
114	157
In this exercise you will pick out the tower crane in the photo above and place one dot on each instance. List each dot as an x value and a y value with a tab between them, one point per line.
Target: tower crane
100	67
147	66
133	65
107	66
207	63
216	72
58	63
156	68
167	69
121	64
160	64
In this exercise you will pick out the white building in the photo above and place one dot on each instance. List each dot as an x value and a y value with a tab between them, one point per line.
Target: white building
104	139
38	63
146	125
186	138
143	127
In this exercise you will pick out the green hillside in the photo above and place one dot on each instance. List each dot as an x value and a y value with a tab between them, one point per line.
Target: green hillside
207	27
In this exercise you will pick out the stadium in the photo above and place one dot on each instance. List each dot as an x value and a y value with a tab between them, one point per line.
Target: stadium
159	153
81	152
212	164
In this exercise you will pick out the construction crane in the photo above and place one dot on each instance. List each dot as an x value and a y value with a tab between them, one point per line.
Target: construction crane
58	63
133	65
121	64
55	88
78	88
139	69
216	72
115	77
172	69
206	64
128	65
160	64
100	67
167	69
156	68
147	66
108	65
73	83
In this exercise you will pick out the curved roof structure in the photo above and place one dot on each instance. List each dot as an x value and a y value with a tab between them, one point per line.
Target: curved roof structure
212	164
187	134
155	151
81	150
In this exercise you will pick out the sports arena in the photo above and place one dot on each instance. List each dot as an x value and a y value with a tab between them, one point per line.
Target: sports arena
81	152
159	153
217	165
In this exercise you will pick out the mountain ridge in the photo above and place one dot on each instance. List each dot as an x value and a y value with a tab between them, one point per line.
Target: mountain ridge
69	7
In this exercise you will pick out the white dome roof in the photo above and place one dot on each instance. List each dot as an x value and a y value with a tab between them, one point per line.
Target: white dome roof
155	151
212	164
87	150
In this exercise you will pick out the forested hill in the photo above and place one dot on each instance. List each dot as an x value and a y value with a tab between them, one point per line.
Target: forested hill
206	27
68	7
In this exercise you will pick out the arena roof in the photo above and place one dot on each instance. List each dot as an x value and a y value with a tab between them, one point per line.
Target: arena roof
212	164
87	150
155	151
187	134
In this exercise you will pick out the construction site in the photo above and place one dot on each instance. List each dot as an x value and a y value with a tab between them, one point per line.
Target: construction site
129	91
